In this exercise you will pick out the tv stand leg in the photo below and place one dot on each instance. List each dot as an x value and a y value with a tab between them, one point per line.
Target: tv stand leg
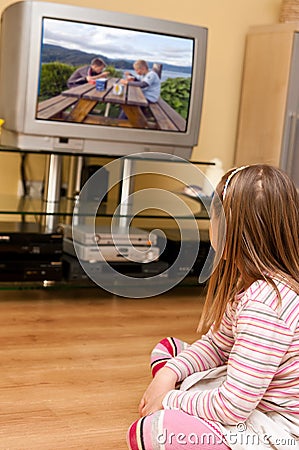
74	176
125	207
52	191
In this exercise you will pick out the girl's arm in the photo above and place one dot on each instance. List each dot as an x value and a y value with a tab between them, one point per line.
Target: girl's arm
261	341
212	350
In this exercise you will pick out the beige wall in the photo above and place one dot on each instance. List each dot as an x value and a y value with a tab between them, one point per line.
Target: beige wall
227	22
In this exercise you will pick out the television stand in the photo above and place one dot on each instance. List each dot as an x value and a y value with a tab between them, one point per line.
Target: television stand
128	176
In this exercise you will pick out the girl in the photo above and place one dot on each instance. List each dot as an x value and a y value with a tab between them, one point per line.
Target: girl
237	387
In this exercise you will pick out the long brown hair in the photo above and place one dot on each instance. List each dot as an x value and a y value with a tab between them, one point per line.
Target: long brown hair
261	210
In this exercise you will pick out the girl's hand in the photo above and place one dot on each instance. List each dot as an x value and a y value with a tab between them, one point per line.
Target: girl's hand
163	382
152	406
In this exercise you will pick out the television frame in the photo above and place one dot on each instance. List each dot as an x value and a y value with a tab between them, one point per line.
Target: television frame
19	78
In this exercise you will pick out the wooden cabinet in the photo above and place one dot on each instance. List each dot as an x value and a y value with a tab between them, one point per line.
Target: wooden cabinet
269	98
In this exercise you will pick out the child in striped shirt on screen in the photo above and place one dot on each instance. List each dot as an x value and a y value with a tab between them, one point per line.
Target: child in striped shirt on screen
237	387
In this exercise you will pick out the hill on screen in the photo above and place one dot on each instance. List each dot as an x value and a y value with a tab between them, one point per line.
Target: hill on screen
54	53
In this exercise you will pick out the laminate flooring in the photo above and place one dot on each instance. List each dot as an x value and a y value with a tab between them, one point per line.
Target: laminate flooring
75	362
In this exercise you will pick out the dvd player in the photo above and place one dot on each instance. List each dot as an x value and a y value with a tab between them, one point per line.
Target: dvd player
140	254
104	235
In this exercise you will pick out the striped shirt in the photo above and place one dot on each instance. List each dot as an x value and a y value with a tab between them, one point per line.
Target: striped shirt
258	340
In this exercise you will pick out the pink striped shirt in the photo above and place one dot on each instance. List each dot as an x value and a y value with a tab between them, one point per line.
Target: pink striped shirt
259	342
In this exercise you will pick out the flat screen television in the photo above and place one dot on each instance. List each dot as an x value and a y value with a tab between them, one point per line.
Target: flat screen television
42	44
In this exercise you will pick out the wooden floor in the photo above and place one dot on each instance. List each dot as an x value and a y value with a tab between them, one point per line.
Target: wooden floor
74	363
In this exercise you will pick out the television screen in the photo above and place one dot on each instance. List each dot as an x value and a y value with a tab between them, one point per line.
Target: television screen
69	75
81	80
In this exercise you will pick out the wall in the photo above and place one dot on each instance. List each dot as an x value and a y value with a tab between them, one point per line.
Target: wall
227	22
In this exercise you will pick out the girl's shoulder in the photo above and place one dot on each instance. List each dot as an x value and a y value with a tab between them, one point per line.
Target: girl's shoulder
264	289
261	294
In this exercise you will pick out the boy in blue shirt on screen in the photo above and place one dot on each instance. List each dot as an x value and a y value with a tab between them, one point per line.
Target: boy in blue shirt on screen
148	80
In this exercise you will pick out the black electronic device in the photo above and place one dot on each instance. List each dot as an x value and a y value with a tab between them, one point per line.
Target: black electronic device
30	270
27	240
173	248
73	271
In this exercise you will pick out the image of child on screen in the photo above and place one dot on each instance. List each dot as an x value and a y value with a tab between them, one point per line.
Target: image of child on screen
148	80
88	74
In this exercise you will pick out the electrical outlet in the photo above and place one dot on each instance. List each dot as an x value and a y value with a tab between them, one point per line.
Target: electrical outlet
34	189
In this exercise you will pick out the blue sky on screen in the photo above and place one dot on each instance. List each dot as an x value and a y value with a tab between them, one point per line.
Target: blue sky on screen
118	42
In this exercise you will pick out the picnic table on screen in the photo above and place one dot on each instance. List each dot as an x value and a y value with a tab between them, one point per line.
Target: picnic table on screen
77	105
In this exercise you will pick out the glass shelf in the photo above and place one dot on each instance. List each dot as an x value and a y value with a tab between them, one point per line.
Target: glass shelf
188	282
145	172
23	206
146	156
